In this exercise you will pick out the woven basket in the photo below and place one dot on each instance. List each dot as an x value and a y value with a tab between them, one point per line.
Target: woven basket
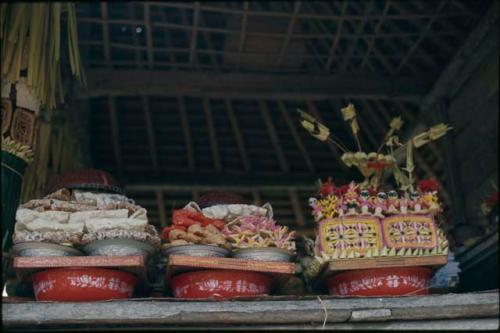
12	178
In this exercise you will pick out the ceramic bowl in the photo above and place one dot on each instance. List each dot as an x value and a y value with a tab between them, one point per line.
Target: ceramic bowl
263	253
118	247
196	250
39	249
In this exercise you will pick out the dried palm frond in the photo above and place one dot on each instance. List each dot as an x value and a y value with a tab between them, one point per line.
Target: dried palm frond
30	35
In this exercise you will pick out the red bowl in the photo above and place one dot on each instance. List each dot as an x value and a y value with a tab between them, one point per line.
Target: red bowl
82	284
397	281
90	179
220	284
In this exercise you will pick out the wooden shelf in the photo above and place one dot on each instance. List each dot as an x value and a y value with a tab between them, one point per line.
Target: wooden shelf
26	266
177	264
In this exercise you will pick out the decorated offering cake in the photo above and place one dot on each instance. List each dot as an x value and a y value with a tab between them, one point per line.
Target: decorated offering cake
84	216
226	222
219	225
370	222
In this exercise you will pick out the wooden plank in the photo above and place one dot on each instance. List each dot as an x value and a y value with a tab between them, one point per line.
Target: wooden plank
289	32
367	263
297	207
105	82
177	263
194	32
105	32
115	134
211	133
238	135
186	133
449	308
296	137
257	200
271	130
25	266
160	202
336	39
243	33
149	34
132	13
150	131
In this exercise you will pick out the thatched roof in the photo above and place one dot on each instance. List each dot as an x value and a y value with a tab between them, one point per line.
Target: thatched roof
187	96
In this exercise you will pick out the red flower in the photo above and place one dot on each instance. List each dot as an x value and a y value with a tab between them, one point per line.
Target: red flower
377	165
492	199
340	191
428	185
325	189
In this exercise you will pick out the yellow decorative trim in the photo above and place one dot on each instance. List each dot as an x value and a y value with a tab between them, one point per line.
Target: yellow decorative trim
24	152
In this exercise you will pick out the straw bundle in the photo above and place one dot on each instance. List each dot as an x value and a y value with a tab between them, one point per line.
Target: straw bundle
30	35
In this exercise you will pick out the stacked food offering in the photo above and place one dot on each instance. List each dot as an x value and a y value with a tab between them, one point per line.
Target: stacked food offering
222	225
87	214
363	226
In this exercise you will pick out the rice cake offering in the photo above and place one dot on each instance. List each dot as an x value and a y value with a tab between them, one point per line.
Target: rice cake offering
79	217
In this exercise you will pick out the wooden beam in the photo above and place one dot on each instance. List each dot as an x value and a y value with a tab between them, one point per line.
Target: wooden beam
291	25
187	134
422	35
371	41
150	131
238	135
291	311
160	202
359	31
256	197
455	68
244	183
194	32
196	194
271	130
296	137
312	15
133	35
244	22
115	135
297	207
335	41
212	135
102	82
149	34
105	33
168	38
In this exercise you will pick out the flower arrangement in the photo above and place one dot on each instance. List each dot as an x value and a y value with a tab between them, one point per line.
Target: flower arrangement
259	231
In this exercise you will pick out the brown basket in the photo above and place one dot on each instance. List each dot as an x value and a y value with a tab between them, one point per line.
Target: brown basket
219	198
87	179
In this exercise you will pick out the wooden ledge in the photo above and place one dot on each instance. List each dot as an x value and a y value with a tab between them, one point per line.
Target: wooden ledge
299	312
177	264
26	266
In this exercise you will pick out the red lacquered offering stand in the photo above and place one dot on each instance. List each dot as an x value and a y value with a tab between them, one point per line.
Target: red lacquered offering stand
380	277
82	278
222	278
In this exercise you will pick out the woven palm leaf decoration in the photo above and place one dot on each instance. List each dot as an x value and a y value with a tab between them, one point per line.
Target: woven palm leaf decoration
32	37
